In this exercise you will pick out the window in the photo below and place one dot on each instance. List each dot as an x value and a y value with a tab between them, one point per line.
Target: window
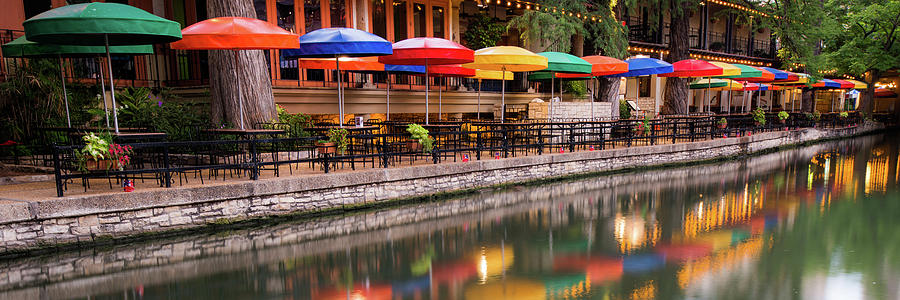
437	14
400	32
644	86
260	6
419	19
338	11
284	12
313	14
379	18
34	7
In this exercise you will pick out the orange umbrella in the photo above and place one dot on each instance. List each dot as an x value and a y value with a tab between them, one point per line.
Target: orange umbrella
365	64
765	77
235	33
600	66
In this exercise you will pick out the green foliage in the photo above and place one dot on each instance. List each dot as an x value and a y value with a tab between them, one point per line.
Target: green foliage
783	115
609	36
297	123
31	97
722	121
338	136
576	88
759	116
163	113
624	110
95	147
865	38
814	116
101	148
550	30
420	134
843	115
483	31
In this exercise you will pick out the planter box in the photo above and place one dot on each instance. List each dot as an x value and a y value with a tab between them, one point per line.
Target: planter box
414	146
326	148
98	165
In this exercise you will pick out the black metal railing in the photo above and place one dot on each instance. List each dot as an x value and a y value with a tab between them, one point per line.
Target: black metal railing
165	163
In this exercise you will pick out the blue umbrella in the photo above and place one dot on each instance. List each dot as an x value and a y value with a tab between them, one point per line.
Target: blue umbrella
395	69
779	74
645	66
339	42
828	83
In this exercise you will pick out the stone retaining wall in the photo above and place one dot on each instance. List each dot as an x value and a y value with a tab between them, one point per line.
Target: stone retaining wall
87	218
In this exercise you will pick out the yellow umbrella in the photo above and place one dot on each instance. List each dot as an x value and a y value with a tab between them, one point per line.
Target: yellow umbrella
507	58
858	84
490	75
732	86
727	69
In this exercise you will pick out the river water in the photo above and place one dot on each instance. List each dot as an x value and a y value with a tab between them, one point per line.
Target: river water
817	222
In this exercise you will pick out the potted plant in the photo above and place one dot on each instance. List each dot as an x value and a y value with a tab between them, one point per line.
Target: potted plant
783	116
420	140
843	115
643	127
99	154
722	123
337	141
814	117
759	116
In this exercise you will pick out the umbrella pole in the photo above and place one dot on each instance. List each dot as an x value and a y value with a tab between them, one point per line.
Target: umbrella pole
62	77
478	107
112	87
550	108
337	63
103	91
239	92
440	99
791	97
592	103
387	116
503	96
426	91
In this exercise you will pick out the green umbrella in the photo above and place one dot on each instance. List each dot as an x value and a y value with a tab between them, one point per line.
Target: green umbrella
101	24
746	72
708	83
22	47
563	63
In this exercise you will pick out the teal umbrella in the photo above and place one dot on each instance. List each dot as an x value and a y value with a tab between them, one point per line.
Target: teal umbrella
22	47
101	24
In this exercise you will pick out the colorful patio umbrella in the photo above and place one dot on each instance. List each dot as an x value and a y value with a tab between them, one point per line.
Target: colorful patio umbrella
779	74
490	75
826	83
727	70
693	68
22	47
428	51
746	72
101	24
765	76
563	63
859	85
844	84
601	66
708	83
791	76
339	42
507	58
235	33
641	66
885	93
447	71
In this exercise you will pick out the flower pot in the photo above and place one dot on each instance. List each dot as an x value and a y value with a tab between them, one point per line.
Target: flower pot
98	165
722	126
414	146
326	148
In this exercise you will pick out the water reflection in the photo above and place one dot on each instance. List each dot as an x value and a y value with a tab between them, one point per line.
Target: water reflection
812	223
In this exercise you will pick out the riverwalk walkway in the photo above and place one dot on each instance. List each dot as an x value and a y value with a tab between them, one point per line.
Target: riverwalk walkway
37	218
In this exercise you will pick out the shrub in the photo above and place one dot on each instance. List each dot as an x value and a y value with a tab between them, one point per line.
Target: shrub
783	115
759	116
624	110
420	134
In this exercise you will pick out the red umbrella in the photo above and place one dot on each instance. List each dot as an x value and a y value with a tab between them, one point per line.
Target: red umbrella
765	77
425	52
693	68
369	64
235	33
447	71
749	86
600	66
885	93
844	84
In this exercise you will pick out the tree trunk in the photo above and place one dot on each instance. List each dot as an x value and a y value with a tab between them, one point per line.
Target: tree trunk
676	92
253	74
867	101
808	98
608	89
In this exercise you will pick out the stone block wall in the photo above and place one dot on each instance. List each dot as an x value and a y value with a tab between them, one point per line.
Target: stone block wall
570	110
87	218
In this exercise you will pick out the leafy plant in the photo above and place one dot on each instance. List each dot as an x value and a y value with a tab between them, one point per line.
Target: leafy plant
483	31
843	115
722	121
338	136
297	123
759	116
783	115
551	30
420	134
624	110
99	148
643	126
576	88
31	97
162	113
814	116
